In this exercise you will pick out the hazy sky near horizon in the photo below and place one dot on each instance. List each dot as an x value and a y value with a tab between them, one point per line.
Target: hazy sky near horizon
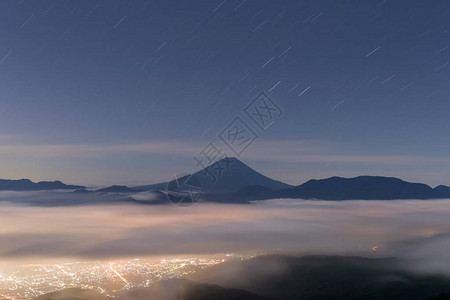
126	92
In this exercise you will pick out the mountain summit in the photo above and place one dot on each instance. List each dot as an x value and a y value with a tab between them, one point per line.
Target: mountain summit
231	175
227	175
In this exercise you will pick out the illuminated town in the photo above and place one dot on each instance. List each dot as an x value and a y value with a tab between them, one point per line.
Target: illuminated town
108	277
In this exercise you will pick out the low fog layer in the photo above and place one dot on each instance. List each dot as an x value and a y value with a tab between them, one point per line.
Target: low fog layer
404	228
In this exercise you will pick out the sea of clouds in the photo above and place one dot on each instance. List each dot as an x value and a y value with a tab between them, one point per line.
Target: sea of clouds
418	230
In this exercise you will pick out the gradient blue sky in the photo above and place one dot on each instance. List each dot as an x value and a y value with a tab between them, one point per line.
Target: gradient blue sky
126	92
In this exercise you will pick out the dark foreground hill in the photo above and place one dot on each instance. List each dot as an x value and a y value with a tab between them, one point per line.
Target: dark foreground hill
290	278
442	296
73	294
176	289
324	277
181	289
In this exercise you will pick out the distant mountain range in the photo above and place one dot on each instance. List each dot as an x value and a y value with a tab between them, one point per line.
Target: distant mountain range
241	184
230	180
28	185
362	187
338	188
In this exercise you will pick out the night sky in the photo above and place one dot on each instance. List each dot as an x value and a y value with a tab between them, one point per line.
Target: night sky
128	92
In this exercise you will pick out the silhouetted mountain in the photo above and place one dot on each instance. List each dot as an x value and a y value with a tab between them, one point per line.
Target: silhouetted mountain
338	188
175	289
240	184
362	187
254	190
116	189
180	289
243	196
227	175
445	190
151	187
28	185
324	277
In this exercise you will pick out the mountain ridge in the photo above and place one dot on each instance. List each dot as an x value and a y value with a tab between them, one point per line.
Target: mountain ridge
28	185
362	187
325	277
227	175
337	188
236	182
